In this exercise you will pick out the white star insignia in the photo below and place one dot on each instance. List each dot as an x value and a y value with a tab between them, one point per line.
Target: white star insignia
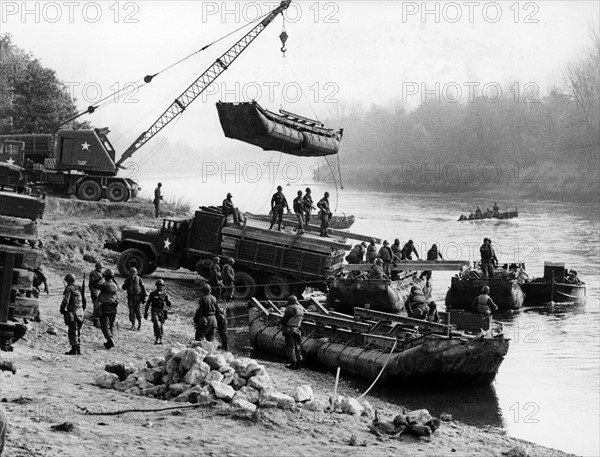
10	161
167	244
85	146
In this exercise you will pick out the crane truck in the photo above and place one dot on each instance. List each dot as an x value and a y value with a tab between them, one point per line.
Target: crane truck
83	162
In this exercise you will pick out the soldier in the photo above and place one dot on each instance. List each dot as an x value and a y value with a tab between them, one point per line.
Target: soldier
483	303
95	276
157	301
299	209
221	316
371	252
435	255
308	205
416	303
157	198
39	278
324	214
136	295
228	279
229	208
357	254
377	271
409	249
108	301
488	258
291	322
215	276
72	310
204	319
386	255
278	202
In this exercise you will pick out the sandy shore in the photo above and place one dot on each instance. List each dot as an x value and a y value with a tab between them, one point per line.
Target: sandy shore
51	388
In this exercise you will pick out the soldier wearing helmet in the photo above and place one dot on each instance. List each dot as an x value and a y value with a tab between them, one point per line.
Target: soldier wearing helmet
228	275
215	278
408	250
204	319
229	208
108	302
416	303
298	205
158	196
157	302
136	295
292	331
377	271
488	258
95	276
371	252
483	303
324	214
278	203
72	310
308	205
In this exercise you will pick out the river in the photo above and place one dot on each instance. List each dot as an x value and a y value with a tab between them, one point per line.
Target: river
548	388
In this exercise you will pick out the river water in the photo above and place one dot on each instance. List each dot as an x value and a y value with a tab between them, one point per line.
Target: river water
548	388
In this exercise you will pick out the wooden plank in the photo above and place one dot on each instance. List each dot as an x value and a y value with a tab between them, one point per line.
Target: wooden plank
378	340
6	286
369	313
274	308
23	229
19	205
25	256
21	279
319	306
337	322
414	265
260	306
319	331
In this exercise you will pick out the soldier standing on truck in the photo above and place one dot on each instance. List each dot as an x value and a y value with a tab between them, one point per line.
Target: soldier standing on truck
308	205
72	310
278	202
298	205
228	279
229	208
215	276
136	295
157	302
204	319
95	276
157	198
324	214
108	301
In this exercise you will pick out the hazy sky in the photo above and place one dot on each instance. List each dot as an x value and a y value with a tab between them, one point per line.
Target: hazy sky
349	51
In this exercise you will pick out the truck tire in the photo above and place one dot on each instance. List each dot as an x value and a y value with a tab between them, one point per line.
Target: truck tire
277	288
89	191
133	257
117	192
244	286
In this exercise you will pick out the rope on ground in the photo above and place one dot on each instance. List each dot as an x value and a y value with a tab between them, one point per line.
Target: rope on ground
380	372
139	410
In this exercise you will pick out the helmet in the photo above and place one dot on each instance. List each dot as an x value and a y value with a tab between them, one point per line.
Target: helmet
364	244
308	190
108	273
160	282
326	195
229	194
373	241
99	265
69	278
205	288
378	261
410	241
216	259
486	239
133	271
292	300
299	192
485	290
230	261
415	288
279	188
385	242
432	305
396	241
159	184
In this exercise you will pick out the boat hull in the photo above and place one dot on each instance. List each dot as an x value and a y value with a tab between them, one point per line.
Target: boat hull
505	215
434	360
506	293
541	292
336	222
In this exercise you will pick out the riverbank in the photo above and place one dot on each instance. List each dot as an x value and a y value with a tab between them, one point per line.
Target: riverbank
51	388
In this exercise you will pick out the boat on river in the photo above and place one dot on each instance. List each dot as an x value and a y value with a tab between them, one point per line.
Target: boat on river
403	350
505	287
489	215
352	290
554	287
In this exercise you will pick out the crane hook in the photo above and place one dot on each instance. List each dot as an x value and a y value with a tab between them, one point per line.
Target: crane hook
283	37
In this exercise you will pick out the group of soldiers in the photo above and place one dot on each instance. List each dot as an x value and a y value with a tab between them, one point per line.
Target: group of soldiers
303	207
103	290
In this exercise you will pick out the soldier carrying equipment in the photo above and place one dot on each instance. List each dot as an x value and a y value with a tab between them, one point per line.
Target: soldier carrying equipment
157	303
72	310
136	295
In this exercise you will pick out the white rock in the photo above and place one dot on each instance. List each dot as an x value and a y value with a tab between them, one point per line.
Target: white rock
172	366
197	374
201	352
189	358
253	369
259	382
268	394
315	405
239	402
143	384
156	362
351	406
222	391
216	361
418	416
173	351
228	356
248	393
213	376
239	365
106	380
302	393
206	345
130	382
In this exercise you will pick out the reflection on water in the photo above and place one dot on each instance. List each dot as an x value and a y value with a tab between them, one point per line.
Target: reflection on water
548	388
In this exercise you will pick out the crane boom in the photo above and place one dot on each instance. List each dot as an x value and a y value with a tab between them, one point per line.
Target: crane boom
203	81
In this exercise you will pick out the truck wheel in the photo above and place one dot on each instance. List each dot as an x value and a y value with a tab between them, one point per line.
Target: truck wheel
133	258
277	288
244	285
117	192
89	191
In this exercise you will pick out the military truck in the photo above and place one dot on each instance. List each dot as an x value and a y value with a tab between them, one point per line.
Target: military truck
268	263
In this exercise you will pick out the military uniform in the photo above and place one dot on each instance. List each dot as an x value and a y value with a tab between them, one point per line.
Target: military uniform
157	198
416	304
221	316
278	203
484	304
308	207
488	259
205	319
291	322
324	215
408	250
371	253
72	310
136	295
228	281
108	302
157	302
95	277
215	278
299	210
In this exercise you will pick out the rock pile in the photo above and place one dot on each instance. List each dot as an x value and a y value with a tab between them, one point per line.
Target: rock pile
198	374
